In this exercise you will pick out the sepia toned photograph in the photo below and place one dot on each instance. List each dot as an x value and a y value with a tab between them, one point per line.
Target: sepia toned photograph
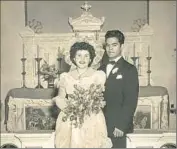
88	74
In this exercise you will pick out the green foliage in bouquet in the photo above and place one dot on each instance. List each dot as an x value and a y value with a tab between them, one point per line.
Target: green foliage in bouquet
82	103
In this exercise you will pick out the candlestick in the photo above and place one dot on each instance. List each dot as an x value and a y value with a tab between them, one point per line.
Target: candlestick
38	72
59	59
149	71
23	72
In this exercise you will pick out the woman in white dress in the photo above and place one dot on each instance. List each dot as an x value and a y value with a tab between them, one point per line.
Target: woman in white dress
93	133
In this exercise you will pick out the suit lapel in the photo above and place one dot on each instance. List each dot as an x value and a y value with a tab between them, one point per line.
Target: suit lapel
118	65
103	68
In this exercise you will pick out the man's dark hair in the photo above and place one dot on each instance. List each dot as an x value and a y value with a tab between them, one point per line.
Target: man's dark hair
115	33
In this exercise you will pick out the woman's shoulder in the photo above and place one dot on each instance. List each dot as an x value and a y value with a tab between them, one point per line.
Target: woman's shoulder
61	81
93	72
63	75
100	73
100	76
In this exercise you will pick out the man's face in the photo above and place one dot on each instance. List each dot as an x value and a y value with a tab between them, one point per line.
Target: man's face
113	48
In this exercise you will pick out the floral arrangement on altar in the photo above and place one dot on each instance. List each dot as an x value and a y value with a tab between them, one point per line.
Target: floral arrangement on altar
82	103
49	72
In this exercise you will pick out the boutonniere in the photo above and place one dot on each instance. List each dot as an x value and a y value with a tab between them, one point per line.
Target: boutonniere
119	76
114	70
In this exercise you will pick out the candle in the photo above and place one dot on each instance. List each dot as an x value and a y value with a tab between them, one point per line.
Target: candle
58	51
37	51
48	58
138	55
23	53
62	54
34	69
134	49
148	51
35	65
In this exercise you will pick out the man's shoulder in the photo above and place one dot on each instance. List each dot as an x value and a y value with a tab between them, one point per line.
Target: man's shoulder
129	67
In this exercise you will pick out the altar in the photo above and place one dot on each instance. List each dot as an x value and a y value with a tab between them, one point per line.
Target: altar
33	109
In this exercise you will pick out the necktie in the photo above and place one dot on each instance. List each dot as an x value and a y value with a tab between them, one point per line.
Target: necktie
111	62
109	67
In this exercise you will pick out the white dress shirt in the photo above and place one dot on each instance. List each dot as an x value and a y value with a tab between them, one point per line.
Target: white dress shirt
109	67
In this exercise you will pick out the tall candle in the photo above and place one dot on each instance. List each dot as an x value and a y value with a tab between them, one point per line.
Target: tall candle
58	51
23	52
139	68
48	58
148	51
35	65
37	51
134	49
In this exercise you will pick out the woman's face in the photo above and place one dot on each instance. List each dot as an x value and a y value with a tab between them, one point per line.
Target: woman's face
82	59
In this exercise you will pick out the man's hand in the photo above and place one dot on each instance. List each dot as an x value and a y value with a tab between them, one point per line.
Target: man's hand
118	133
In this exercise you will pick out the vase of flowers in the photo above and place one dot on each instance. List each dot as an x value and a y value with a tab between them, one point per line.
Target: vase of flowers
49	73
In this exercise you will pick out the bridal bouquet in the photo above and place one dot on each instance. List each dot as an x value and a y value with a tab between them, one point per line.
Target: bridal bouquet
83	102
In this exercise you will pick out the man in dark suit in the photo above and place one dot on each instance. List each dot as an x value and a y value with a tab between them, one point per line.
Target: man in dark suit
121	90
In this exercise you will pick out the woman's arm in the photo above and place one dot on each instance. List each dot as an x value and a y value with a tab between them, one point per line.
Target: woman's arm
60	99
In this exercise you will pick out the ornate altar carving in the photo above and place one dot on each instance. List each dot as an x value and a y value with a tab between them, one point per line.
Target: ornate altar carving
38	114
86	22
152	113
30	114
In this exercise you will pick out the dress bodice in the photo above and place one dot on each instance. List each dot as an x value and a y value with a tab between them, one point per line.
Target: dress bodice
68	81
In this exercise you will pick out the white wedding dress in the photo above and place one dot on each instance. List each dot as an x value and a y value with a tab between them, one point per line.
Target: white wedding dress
93	133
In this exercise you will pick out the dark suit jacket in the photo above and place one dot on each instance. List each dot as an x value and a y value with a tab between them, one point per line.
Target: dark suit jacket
121	96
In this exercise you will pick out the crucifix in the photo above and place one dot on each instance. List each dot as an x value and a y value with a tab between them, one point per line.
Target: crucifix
86	6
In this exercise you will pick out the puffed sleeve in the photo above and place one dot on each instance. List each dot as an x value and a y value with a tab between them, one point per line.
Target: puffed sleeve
60	99
100	78
62	79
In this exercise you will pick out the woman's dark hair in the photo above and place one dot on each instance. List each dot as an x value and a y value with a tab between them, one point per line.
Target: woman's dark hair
115	33
82	46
